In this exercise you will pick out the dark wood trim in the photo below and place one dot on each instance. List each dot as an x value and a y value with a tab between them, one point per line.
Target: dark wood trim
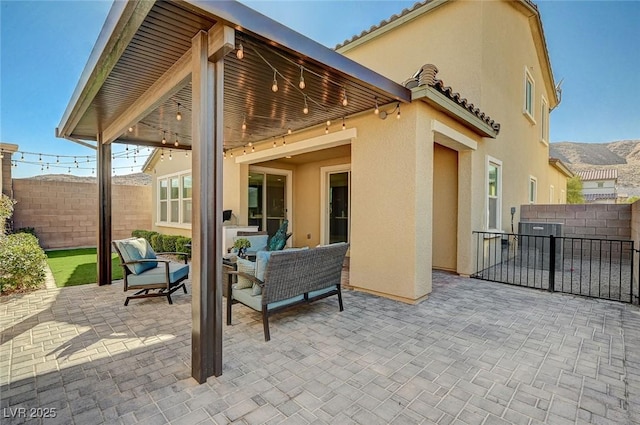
103	153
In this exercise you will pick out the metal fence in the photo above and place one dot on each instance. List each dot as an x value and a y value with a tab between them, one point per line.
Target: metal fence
599	268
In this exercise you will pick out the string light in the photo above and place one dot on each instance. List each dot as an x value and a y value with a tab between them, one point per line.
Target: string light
377	110
162	155
57	159
328	123
176	143
170	155
240	52
305	110
178	114
130	129
274	143
289	130
186	154
22	156
231	153
244	151
40	157
244	122
253	149
345	102
284	141
398	114
224	153
326	130
164	137
301	84
344	125
274	86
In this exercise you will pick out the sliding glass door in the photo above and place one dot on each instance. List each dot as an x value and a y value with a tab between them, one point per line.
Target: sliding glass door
269	198
336	193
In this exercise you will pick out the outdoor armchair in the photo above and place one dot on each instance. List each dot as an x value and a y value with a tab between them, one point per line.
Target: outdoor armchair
149	275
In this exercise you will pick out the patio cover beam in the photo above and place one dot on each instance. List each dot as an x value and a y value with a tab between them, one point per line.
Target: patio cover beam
104	212
207	89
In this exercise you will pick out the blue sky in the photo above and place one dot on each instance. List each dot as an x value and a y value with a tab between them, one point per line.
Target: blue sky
594	46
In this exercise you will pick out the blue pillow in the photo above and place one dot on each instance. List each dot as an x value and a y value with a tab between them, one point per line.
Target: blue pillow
279	240
137	249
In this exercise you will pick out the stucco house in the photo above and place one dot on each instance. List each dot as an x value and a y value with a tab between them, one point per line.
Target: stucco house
405	184
600	186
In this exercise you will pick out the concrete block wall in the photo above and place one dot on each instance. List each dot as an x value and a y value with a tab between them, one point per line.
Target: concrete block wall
595	221
65	215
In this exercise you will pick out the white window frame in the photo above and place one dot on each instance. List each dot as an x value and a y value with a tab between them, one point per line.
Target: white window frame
552	194
496	162
529	110
544	121
533	189
288	174
167	177
563	196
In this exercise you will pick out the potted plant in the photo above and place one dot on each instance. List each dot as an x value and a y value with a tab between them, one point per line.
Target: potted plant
241	245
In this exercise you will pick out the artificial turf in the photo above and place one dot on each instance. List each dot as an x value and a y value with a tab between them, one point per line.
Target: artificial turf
72	267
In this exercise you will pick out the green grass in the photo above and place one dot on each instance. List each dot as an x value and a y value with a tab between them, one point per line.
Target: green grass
72	267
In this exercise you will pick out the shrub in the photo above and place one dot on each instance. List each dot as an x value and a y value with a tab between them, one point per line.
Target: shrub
181	242
22	262
147	234
6	210
156	242
169	243
29	230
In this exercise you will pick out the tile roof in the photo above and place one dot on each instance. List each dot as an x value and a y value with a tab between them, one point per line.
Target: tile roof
427	76
599	196
608	174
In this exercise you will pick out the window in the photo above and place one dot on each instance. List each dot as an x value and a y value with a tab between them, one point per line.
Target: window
533	189
600	185
544	122
174	199
494	193
529	92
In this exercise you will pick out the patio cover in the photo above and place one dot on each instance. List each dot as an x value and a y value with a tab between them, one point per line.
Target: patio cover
155	59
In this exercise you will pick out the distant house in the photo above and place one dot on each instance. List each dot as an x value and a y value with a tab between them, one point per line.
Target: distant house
600	186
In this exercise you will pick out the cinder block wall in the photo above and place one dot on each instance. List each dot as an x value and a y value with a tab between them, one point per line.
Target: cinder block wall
65	215
596	221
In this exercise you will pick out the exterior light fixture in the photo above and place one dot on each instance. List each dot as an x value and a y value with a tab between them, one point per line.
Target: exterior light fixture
302	85
344	125
240	52
178	114
164	137
130	129
274	86
170	155
305	110
377	110
244	122
289	130
176	143
345	102
398	114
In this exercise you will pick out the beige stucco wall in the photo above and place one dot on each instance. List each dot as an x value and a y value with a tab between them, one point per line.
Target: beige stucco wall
64	214
558	180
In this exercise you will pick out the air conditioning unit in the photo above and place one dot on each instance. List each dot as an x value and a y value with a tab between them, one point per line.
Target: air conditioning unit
534	242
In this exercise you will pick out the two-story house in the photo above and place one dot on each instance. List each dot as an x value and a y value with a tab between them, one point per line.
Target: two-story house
600	186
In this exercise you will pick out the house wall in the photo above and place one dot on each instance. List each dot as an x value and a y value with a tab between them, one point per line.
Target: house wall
559	182
591	186
63	214
586	220
483	56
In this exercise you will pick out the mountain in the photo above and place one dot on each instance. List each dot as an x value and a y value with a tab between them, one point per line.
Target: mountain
623	155
136	179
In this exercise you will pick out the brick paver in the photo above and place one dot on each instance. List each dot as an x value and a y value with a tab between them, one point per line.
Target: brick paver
474	353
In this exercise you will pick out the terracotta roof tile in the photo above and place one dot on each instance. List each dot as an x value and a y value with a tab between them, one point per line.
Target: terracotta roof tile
590	175
427	76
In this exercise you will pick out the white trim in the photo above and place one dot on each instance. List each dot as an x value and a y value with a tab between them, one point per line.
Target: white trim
525	111
451	138
289	188
534	180
498	163
324	205
326	141
180	223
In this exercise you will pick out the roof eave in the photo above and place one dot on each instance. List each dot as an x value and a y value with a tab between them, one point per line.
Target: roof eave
561	166
439	101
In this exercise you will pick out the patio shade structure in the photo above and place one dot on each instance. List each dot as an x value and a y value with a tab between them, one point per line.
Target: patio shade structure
170	71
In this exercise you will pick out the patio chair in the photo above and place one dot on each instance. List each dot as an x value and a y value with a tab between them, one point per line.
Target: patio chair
151	276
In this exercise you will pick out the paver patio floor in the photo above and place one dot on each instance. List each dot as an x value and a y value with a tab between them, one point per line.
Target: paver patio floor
474	353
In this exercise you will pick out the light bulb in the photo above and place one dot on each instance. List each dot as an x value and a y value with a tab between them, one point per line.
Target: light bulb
253	148
344	126
130	129
240	52
176	143
328	123
274	144
231	154
345	102
178	114
398	114
302	85
289	130
170	155
326	130
274	86
305	110
164	138
244	151
244	123
377	110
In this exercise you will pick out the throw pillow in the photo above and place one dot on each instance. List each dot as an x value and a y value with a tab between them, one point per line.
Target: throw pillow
279	240
248	267
137	249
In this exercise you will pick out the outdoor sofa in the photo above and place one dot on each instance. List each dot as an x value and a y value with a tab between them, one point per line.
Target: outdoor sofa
283	279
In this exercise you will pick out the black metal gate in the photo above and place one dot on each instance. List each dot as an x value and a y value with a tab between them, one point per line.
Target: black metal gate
599	268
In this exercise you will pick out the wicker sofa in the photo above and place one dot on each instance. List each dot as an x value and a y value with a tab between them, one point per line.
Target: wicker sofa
289	278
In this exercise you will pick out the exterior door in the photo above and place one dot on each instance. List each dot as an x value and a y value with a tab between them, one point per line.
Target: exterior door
336	207
445	208
269	199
